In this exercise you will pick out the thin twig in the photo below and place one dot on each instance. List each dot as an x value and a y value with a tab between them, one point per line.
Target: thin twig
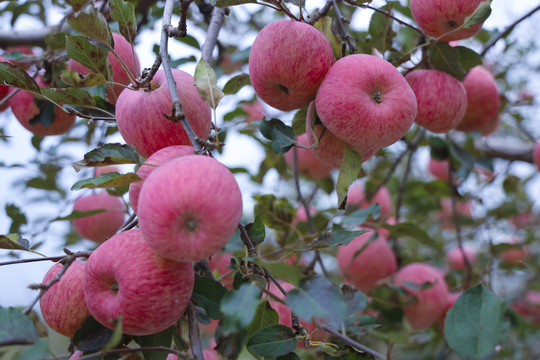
194	336
72	111
321	13
148	75
50	258
9	96
402	184
352	343
100	354
508	30
389	15
247	241
342	29
218	15
177	111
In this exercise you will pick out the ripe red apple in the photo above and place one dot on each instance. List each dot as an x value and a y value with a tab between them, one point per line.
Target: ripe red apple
63	306
125	278
357	197
431	302
155	160
4	90
301	214
189	208
140	115
100	170
366	102
366	261
446	216
483	101
254	110
26	109
307	163
101	226
330	149
456	260
220	263
439	17
529	306
439	169
287	63
442	99
536	155
518	255
123	48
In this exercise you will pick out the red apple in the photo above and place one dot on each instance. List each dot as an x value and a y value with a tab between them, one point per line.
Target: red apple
366	102
307	163
518	255
26	109
357	197
287	63
536	155
439	17
446	216
483	101
219	263
492	126
4	90
439	169
155	160
456	260
301	214
366	261
124	50
189	208
430	302
529	306
125	279
101	226
63	306
254	110
100	170
140	115
442	99
452	298
329	149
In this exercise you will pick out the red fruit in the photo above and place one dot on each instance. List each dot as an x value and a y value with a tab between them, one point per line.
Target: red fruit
536	155
63	306
254	110
456	260
100	170
307	163
99	227
529	306
439	169
431	302
516	256
4	91
220	263
356	197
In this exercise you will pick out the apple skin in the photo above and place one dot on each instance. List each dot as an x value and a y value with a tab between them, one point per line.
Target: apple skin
99	227
287	63
189	208
255	111
439	169
307	163
155	160
431	302
24	108
100	170
456	260
438	17
330	149
366	102
356	197
516	256
442	99
140	115
123	48
536	155
220	263
452	298
529	306
124	277
63	306
483	101
364	269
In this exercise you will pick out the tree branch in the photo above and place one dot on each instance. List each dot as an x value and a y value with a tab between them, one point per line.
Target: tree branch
216	22
353	343
100	354
194	336
343	29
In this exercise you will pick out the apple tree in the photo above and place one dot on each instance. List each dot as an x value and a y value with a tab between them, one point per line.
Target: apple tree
243	179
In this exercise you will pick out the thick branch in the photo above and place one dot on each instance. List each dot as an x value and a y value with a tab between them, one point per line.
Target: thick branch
353	343
216	23
194	337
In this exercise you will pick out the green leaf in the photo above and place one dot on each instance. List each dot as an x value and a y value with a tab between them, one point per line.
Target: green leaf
324	25
205	80
108	180
337	236
56	41
444	57
469	58
123	13
79	214
109	154
289	356
282	271
37	351
380	30
318	297
277	213
17	217
69	96
282	136
93	24
239	306
15	76
116	337
476	324
163	338
264	316
208	293
74	79
299	121
361	215
411	230
356	301
236	83
479	15
189	40
227	3
16	328
77	4
16	242
93	57
92	336
349	172
272	341
256	229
